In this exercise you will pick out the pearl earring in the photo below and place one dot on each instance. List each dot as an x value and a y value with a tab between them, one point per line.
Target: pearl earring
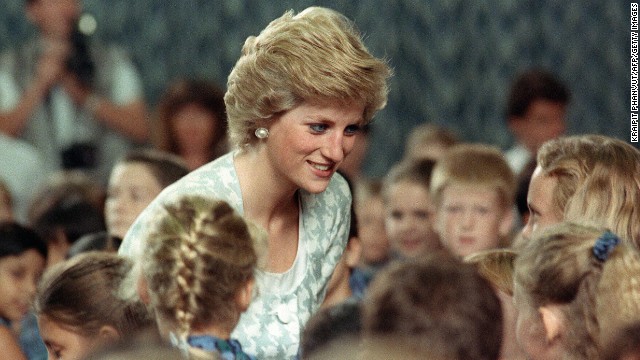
262	133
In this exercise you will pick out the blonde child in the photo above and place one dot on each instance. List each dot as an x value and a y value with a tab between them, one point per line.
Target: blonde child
369	209
374	243
79	308
586	178
22	260
135	180
575	286
429	141
473	190
198	275
408	208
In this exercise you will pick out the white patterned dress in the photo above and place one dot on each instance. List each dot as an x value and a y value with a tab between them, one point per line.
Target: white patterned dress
271	327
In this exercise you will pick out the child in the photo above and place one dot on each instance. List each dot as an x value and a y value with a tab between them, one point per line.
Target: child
429	141
22	260
192	122
369	209
136	180
198	275
408	208
575	287
374	243
586	178
473	190
79	309
437	307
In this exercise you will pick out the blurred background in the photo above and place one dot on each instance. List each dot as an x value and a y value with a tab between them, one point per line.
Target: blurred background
453	60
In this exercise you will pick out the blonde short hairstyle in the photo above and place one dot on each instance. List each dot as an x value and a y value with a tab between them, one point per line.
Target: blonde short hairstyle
598	296
474	165
428	134
314	56
198	257
598	182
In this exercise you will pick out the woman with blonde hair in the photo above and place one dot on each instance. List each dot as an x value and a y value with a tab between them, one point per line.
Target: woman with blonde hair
295	100
587	178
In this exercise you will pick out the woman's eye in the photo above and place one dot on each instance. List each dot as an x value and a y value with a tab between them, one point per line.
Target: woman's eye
318	127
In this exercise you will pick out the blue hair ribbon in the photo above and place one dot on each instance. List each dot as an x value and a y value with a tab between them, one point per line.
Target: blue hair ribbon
604	245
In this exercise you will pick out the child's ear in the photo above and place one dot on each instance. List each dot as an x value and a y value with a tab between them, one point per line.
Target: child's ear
506	223
352	252
245	295
143	290
108	334
553	320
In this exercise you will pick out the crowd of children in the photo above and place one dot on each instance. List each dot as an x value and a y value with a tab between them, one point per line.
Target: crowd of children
436	265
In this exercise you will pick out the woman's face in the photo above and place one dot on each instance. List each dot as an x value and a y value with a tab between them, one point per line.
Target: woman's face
194	129
307	143
63	343
131	188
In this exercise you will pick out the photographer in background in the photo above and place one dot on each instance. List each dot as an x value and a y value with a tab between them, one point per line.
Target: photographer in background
77	102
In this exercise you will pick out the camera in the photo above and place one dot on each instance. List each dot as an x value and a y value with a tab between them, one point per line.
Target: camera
80	61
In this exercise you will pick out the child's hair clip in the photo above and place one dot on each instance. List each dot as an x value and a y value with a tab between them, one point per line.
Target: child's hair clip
604	245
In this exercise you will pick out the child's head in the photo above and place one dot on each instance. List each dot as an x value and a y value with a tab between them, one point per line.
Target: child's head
429	141
536	108
588	178
369	210
473	190
134	182
22	260
192	118
79	307
6	203
199	265
575	285
434	303
408	208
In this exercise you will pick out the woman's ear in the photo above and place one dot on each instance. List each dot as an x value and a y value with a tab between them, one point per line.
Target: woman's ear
245	295
553	320
108	334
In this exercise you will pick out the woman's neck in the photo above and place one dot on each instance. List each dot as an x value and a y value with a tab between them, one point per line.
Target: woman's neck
265	195
271	202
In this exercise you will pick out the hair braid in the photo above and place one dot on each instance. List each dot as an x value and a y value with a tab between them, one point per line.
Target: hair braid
187	279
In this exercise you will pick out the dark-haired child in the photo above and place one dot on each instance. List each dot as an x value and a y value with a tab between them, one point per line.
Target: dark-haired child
22	259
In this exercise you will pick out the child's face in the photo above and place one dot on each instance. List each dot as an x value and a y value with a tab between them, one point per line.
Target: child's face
19	276
64	343
375	244
408	220
132	187
471	219
194	128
